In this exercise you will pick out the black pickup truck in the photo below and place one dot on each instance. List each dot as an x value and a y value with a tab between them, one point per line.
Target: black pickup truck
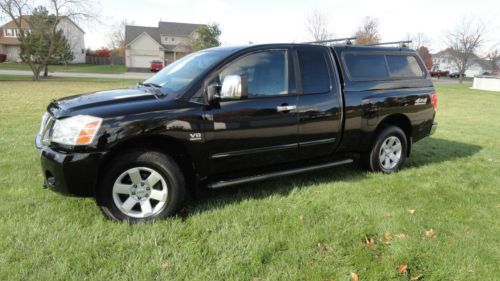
233	115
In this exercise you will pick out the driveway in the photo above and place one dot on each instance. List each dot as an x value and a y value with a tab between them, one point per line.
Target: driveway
126	75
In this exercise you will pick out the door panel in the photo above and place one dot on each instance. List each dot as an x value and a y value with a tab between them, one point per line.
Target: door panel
319	103
261	129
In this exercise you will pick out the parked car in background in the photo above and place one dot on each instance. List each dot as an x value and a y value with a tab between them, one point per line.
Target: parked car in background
439	73
456	75
156	66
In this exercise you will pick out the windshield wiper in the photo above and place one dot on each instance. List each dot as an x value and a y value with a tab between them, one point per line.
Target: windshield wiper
153	86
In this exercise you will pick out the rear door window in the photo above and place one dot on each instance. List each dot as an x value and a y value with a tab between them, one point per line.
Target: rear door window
313	71
363	66
404	66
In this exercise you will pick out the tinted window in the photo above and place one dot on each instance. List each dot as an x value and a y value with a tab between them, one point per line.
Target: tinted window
404	66
366	66
313	72
267	73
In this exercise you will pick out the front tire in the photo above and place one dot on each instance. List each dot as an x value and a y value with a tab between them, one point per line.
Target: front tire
388	151
141	186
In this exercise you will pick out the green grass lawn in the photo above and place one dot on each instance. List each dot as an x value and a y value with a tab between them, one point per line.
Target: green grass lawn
82	68
308	227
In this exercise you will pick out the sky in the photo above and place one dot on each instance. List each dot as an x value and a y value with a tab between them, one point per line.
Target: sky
273	21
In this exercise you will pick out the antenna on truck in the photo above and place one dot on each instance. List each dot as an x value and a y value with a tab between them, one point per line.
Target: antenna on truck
402	44
347	41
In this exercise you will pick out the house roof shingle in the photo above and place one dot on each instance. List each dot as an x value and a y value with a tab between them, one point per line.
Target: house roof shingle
13	41
164	28
177	28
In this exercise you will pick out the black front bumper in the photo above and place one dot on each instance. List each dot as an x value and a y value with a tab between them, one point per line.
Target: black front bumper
70	173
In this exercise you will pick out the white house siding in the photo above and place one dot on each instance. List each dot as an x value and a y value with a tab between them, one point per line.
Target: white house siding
12	53
76	39
142	51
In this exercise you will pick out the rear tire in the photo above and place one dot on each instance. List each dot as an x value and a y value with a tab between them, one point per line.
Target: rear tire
141	186
388	151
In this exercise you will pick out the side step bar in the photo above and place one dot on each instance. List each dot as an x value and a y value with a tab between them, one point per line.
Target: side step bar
224	183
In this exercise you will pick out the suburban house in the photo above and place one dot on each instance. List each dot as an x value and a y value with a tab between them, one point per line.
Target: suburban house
443	61
166	43
10	44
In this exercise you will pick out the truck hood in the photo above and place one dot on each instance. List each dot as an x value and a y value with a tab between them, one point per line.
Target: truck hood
105	103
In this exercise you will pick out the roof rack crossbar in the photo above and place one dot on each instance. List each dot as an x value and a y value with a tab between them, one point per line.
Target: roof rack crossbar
402	43
347	39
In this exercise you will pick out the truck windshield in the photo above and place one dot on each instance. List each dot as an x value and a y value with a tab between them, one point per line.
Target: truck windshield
177	76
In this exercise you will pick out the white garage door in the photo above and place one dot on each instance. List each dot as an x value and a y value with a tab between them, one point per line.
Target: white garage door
142	61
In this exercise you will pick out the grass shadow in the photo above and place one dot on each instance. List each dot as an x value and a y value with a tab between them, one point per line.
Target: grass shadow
426	152
436	150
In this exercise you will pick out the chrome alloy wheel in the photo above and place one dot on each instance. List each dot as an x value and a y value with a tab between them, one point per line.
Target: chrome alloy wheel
140	192
390	152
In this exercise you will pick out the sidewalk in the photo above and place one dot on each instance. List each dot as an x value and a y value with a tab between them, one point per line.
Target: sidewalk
126	75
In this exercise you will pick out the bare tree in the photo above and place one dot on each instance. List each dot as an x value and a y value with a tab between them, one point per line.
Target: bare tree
494	58
117	36
19	10
465	40
368	32
418	40
317	26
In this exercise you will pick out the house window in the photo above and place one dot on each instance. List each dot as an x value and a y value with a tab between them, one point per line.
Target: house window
10	32
173	39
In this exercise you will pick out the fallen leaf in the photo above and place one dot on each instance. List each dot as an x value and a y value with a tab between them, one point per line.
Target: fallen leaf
417	277
403	268
354	276
388	236
165	264
430	233
321	247
301	217
412	211
370	242
388	215
401	236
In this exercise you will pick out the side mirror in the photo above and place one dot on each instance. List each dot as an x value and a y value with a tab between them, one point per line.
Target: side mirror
213	92
234	87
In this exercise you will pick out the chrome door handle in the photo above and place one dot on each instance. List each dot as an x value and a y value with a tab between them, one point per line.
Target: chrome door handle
285	108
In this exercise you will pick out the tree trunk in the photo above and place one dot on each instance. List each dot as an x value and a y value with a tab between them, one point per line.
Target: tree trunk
46	71
461	75
36	75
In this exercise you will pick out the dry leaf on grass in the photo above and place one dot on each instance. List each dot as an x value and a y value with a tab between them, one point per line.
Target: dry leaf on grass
320	247
401	236
403	268
430	233
417	277
370	242
354	276
412	211
165	264
387	238
388	215
301	217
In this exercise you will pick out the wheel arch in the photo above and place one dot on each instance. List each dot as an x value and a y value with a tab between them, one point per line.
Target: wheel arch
164	144
399	120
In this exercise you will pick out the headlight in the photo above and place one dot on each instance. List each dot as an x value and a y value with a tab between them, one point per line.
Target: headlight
77	130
